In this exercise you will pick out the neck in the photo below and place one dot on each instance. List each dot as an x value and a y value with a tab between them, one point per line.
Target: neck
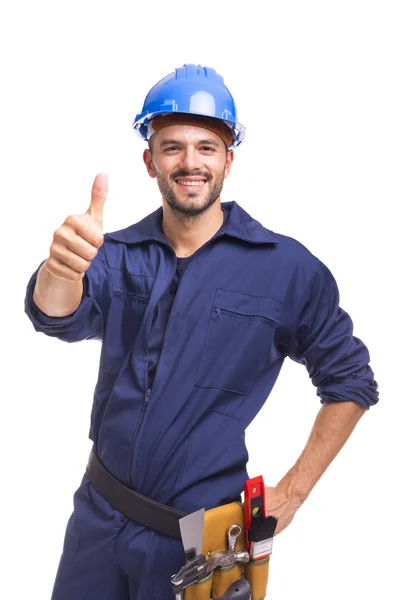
188	234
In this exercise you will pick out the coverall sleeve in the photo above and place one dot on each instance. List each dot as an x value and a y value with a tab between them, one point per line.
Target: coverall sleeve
87	322
321	338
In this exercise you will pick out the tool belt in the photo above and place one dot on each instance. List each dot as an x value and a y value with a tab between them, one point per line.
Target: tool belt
135	506
165	520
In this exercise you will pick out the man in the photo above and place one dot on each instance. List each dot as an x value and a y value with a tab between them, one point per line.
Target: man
197	307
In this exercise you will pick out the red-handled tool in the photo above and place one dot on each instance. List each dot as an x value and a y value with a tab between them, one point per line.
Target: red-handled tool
254	503
259	528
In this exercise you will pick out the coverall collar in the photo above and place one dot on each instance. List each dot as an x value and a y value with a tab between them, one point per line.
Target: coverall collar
238	224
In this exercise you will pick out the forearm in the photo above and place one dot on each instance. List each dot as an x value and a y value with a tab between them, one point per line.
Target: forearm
332	427
56	297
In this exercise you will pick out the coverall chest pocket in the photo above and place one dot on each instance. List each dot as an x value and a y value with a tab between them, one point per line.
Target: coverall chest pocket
238	340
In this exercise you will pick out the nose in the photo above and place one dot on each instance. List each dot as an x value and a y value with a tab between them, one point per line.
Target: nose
191	159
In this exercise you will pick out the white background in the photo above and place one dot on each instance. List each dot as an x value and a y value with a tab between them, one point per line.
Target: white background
317	86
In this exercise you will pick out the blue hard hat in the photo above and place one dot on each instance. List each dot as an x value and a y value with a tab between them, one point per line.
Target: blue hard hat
191	90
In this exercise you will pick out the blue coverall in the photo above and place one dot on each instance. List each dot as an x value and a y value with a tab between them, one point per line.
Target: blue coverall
247	299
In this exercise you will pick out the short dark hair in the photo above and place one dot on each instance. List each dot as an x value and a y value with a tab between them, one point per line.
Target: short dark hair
151	144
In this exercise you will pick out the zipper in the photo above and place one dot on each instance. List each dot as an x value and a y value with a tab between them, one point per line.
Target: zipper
149	322
150	391
168	321
234	312
146	401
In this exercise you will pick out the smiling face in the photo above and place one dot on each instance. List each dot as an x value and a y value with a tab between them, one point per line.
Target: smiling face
190	164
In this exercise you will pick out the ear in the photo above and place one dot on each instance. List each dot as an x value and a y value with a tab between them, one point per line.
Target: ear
149	163
229	161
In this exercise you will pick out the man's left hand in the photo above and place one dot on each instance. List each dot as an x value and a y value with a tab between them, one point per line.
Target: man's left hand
281	505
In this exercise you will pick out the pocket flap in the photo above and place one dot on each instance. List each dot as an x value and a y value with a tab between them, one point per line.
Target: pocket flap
244	304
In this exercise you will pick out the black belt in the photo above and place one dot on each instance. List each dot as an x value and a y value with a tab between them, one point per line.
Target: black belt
135	506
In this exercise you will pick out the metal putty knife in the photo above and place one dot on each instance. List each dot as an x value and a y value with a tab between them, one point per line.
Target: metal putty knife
192	528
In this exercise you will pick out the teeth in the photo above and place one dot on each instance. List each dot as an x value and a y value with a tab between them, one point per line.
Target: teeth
194	183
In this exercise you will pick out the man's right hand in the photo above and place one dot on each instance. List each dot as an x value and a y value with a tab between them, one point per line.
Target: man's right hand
58	290
77	241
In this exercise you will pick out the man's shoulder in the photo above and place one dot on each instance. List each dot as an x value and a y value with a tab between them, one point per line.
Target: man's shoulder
285	246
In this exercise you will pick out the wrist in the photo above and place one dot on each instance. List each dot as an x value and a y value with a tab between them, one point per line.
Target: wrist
56	297
295	487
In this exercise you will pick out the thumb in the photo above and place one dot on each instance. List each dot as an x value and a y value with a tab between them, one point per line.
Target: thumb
99	197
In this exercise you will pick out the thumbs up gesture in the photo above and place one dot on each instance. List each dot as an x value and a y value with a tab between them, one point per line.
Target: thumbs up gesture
77	241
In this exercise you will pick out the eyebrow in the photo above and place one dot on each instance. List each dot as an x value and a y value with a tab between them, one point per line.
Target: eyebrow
177	142
209	142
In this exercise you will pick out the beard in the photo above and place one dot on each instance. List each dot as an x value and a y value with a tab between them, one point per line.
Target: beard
190	207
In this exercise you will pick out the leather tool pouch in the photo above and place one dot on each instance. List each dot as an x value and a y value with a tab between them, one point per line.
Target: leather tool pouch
215	539
256	573
199	591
